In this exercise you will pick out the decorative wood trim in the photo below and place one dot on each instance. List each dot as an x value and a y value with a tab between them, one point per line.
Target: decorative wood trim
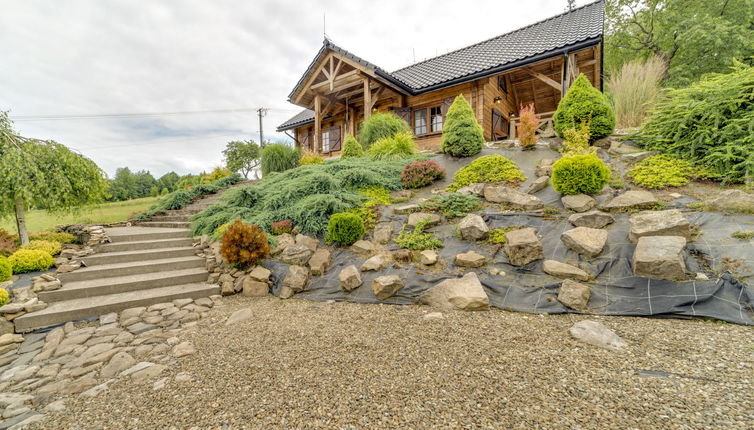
546	79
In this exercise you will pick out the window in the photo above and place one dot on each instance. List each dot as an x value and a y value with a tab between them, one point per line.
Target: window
501	84
326	142
420	121
435	115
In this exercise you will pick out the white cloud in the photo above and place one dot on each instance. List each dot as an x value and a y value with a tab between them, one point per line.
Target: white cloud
120	56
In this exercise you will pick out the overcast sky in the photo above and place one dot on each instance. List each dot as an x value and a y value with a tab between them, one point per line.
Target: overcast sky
100	57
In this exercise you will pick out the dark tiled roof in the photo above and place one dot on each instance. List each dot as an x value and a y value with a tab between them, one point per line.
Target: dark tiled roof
583	25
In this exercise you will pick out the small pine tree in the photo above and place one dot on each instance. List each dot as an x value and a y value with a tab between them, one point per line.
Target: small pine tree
351	148
583	102
461	136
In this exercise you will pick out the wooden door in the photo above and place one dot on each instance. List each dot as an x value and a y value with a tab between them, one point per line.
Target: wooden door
499	125
335	138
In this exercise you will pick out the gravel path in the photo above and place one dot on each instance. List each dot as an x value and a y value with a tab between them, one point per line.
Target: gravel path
301	364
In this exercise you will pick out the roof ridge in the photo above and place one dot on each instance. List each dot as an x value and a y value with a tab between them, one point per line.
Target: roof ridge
496	37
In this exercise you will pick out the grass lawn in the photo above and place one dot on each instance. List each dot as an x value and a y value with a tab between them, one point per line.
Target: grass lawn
38	220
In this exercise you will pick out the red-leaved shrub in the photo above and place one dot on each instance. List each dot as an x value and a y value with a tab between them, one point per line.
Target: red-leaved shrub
281	227
421	173
527	127
244	244
8	243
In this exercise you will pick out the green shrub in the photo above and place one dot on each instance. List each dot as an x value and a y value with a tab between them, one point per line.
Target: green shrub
345	228
6	270
308	157
497	236
184	197
417	240
634	90
709	123
488	168
662	171
583	102
214	175
462	136
53	236
244	245
453	205
351	148
3	297
376	196
421	173
30	260
278	157
740	234
380	126
52	248
576	140
392	148
579	174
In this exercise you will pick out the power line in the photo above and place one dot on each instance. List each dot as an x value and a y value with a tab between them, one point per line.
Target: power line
58	117
158	142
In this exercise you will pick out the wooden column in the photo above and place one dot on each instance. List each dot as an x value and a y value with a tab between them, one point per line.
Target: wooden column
367	100
317	124
351	121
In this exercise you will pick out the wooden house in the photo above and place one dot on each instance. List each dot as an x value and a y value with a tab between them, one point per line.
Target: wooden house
534	64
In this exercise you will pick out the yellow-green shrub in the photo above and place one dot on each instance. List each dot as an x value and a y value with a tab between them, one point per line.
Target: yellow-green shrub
309	157
579	174
30	260
52	248
53	236
351	148
3	297
391	148
662	171
488	168
6	270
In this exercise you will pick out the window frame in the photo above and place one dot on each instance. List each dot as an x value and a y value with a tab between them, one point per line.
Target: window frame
325	141
413	121
433	116
427	109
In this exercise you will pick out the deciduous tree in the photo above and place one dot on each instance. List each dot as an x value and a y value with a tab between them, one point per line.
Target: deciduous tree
242	156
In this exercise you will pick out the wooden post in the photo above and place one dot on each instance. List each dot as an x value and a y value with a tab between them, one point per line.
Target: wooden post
317	125
367	100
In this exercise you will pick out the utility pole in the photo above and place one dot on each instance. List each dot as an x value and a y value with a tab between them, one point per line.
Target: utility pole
262	112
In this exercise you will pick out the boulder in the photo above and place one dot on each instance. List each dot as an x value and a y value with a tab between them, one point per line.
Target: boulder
401	195
118	363
466	294
363	247
591	219
350	278
260	274
428	257
660	257
308	241
297	254
584	240
284	241
238	316
476	189
539	184
563	270
377	262
544	167
513	198
415	217
470	259
634	199
296	278
635	157
320	261
473	227
659	223
574	295
735	200
403	255
252	288
596	334
406	209
522	246
578	202
383	232
386	286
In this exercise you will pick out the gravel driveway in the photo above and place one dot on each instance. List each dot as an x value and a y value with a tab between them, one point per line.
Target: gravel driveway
302	364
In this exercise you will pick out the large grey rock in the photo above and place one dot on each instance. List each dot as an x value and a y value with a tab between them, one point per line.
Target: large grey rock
670	222
736	200
635	157
511	197
660	257
634	199
320	261
470	259
428	257
296	278
283	242
563	270
383	232
466	294
544	167
406	209
298	254
476	189
308	241
260	274
253	288
118	363
584	240
578	202
539	184
386	286
596	334
416	217
363	247
574	295
522	246
473	227
591	219
350	278
238	316
374	263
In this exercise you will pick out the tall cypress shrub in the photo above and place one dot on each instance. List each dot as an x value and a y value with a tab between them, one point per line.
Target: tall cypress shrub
461	135
583	102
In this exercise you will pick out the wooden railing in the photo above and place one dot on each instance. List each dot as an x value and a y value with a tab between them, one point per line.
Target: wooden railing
545	126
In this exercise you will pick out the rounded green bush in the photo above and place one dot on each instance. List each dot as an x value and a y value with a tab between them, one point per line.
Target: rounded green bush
30	260
50	247
488	168
351	148
345	228
461	135
583	102
6	269
3	297
579	174
380	126
279	157
393	148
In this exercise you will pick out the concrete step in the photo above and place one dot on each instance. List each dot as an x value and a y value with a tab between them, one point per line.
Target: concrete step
69	310
138	234
124	284
137	255
131	268
145	244
167	224
169	218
